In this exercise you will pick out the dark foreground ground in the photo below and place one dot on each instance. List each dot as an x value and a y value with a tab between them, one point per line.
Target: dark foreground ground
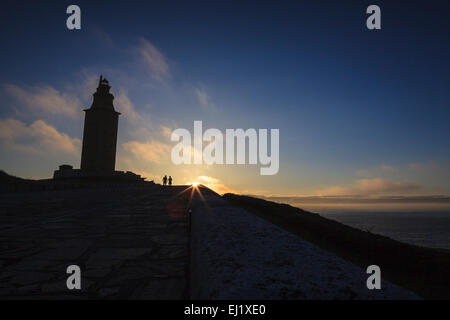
130	241
425	271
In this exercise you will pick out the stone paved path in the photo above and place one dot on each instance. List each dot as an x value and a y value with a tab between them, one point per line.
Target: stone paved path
131	242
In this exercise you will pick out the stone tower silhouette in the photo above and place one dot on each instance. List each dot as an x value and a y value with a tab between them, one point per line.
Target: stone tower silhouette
100	132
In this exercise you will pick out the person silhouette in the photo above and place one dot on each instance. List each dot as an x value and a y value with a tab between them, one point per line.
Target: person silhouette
165	180
170	180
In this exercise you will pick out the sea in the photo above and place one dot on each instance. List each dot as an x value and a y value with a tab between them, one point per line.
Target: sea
427	229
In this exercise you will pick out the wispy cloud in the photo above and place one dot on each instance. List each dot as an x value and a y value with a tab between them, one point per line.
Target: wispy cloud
46	99
202	96
387	168
153	151
376	171
381	186
39	137
11	129
361	204
103	36
204	99
154	60
166	132
126	107
416	166
372	187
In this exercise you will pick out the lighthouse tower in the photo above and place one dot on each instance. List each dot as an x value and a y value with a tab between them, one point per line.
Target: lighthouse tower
98	156
100	132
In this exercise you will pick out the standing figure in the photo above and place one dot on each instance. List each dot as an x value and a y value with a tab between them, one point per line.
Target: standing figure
165	180
170	180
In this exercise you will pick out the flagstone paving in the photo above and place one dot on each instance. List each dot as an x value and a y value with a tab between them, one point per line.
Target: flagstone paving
130	241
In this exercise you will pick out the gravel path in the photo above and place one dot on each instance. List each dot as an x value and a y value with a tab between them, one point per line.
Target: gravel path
236	255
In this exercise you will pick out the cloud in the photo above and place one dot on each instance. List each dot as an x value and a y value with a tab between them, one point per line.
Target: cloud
334	191
153	151
387	168
204	99
47	99
376	171
84	86
416	166
154	60
102	36
166	132
372	187
360	204
78	96
124	105
11	129
39	138
379	186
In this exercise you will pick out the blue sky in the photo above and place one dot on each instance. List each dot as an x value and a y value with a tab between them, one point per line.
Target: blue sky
360	112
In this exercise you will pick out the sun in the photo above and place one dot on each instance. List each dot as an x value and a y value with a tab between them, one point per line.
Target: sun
195	184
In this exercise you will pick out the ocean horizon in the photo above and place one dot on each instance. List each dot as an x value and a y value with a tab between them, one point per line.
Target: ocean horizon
423	228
